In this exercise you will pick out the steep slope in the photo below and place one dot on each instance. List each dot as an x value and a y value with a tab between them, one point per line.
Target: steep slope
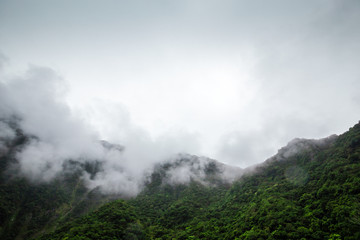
309	190
312	194
28	208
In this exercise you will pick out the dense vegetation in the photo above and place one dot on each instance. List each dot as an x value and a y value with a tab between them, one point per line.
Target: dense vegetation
115	220
27	208
313	194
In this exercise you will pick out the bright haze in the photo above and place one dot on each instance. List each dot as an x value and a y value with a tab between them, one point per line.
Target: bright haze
231	80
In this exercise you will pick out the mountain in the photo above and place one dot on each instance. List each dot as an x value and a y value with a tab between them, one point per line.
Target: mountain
308	190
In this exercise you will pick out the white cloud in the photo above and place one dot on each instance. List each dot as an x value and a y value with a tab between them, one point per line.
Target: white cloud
232	80
57	134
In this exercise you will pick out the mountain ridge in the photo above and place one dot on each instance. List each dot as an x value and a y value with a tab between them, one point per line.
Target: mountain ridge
308	190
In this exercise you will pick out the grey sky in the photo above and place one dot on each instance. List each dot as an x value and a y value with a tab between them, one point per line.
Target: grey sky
232	80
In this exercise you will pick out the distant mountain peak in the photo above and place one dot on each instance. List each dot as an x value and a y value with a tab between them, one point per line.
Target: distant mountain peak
298	145
185	168
111	146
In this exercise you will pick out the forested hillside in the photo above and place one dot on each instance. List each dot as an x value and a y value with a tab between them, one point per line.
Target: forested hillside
309	190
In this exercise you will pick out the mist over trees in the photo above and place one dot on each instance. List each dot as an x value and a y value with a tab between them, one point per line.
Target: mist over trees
309	190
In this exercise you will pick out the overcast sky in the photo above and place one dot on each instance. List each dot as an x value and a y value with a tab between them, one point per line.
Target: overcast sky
232	80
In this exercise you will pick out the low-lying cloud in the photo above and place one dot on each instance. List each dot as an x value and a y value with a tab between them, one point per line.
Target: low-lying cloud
35	102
